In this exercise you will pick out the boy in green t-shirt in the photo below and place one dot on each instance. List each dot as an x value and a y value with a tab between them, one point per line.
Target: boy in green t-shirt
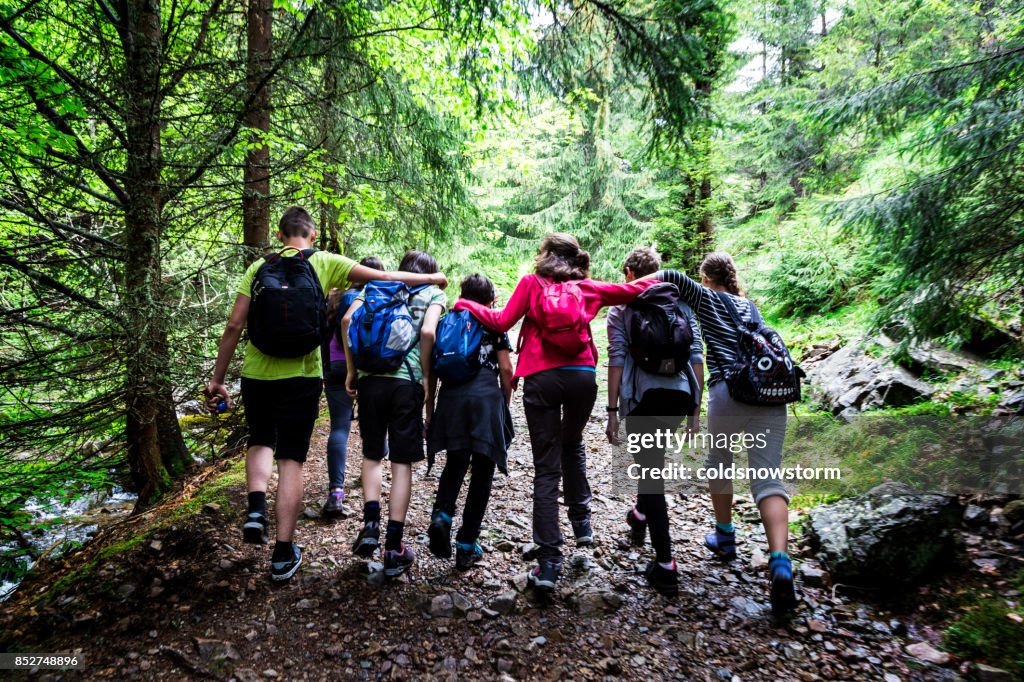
282	395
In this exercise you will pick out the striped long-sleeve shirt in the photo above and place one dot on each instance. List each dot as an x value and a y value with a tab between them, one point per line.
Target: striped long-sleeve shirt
720	334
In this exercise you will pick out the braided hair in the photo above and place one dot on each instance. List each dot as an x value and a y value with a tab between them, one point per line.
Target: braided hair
719	267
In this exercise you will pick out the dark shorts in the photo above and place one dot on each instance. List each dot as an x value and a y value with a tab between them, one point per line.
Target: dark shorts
281	414
391	419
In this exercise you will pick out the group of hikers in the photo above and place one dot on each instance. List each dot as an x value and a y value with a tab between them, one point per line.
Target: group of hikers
384	340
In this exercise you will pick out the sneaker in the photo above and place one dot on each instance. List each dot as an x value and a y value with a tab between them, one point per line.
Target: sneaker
783	596
334	507
544	576
284	570
665	581
583	532
637	528
254	529
440	535
397	561
722	545
468	555
368	539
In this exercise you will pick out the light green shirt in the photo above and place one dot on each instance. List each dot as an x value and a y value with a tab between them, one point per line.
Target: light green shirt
333	271
418	305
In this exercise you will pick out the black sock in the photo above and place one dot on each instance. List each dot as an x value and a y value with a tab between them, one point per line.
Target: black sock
393	536
258	502
282	551
371	512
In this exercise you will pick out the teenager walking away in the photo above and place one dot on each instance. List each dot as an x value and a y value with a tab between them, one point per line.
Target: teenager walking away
471	422
721	310
655	379
557	359
389	335
280	300
339	403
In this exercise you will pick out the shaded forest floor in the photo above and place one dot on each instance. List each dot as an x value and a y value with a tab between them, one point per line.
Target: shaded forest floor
174	594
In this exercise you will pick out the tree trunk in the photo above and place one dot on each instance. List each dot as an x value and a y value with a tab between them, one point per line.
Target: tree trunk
256	176
153	442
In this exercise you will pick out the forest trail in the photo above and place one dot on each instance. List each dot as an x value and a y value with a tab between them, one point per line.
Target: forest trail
200	604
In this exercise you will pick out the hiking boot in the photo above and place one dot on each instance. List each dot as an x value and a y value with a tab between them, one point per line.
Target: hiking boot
544	576
583	532
254	529
398	561
468	555
722	545
368	540
783	596
284	570
637	528
439	533
334	507
665	581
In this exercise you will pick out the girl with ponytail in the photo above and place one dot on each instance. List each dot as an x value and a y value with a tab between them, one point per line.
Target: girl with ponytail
710	299
558	364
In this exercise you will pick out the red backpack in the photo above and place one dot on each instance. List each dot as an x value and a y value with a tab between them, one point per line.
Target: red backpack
561	317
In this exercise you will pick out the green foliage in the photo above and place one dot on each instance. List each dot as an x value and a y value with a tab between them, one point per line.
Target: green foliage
817	269
988	632
953	219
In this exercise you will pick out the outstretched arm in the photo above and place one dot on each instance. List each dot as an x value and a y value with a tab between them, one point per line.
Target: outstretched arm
504	319
215	391
620	294
361	274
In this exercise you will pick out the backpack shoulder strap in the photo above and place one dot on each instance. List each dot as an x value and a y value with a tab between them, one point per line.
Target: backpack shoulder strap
755	314
730	308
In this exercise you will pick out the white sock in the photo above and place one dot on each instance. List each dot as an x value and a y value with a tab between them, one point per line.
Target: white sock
638	515
670	566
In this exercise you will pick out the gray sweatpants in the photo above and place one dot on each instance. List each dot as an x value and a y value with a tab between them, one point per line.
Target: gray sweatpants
766	423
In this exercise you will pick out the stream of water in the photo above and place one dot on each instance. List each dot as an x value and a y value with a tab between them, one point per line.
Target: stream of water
78	522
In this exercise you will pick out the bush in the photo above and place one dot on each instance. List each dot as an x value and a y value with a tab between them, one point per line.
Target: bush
815	270
988	634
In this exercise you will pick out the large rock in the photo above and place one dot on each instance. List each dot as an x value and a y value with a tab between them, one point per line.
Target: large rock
888	537
850	378
928	356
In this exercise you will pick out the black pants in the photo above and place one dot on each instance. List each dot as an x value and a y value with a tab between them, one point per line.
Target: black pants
479	494
659	409
558	404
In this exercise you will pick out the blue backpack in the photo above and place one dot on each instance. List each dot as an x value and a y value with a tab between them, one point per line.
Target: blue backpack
456	357
382	331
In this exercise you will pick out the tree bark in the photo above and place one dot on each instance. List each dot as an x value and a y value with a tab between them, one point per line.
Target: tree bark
153	442
256	175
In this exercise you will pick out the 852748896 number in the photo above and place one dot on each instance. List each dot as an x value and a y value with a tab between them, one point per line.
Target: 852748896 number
40	661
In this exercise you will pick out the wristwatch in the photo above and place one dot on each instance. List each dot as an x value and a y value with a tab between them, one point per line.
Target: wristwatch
611	409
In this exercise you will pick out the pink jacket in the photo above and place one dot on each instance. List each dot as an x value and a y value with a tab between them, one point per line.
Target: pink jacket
533	355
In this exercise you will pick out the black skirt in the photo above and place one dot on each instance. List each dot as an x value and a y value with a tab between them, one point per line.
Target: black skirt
472	416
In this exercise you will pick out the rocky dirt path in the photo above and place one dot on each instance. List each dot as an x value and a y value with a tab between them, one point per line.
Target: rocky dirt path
197	603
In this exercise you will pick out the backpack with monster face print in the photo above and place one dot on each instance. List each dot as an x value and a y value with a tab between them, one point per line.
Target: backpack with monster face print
764	372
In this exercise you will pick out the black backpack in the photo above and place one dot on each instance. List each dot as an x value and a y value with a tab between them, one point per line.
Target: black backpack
764	372
287	311
659	337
